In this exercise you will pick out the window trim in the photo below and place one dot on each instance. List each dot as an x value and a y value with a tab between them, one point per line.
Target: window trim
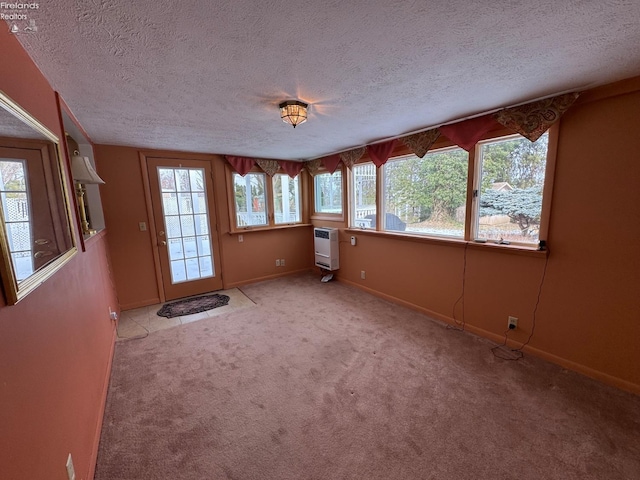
232	201
270	204
549	180
352	206
449	241
333	217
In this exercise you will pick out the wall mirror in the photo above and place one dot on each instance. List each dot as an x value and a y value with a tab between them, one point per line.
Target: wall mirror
36	232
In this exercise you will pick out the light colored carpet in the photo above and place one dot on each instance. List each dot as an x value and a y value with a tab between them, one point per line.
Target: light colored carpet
323	381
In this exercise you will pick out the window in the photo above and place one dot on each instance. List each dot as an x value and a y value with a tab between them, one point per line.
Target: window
426	195
286	199
510	186
263	202
250	199
15	198
328	192
429	196
364	196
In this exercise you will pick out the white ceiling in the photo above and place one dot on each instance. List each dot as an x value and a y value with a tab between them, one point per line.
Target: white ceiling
12	126
204	76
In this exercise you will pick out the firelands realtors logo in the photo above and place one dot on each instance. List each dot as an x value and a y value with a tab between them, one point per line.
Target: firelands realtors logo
18	16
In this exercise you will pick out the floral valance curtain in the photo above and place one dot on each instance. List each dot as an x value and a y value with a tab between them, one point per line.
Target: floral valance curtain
270	167
243	165
530	120
313	166
533	119
420	143
350	157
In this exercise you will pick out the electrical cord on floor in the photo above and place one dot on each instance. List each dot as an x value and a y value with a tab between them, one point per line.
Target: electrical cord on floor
460	325
517	352
500	351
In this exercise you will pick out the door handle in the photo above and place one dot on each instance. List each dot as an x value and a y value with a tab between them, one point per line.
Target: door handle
162	243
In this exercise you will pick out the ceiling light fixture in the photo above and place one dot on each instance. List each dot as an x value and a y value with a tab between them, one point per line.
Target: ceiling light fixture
293	112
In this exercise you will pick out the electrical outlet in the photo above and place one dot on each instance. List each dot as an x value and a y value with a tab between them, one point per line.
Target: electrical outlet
142	226
240	238
277	262
282	262
513	323
363	275
71	472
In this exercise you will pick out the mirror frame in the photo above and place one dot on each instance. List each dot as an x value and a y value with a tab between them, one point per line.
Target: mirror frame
14	291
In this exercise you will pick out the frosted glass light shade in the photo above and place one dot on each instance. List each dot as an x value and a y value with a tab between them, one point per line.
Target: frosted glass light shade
293	112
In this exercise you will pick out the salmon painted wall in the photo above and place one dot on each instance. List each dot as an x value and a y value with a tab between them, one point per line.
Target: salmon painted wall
254	258
132	250
588	318
56	344
123	202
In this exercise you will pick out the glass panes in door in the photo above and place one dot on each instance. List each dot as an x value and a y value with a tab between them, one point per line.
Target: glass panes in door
186	220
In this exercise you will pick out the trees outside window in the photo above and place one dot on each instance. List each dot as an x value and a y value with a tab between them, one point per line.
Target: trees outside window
328	192
286	199
511	186
428	196
425	193
250	199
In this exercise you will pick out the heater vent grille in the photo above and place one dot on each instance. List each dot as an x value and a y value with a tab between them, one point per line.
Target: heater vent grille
326	248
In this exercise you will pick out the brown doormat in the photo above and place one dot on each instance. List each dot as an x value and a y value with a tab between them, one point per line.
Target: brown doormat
189	306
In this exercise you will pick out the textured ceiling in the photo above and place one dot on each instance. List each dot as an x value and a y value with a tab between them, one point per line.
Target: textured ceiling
206	76
12	127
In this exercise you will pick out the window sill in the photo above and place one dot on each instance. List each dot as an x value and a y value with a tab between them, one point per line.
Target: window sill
531	251
453	242
244	230
332	217
408	237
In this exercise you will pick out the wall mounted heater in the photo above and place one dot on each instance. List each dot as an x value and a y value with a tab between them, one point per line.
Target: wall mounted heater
325	242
